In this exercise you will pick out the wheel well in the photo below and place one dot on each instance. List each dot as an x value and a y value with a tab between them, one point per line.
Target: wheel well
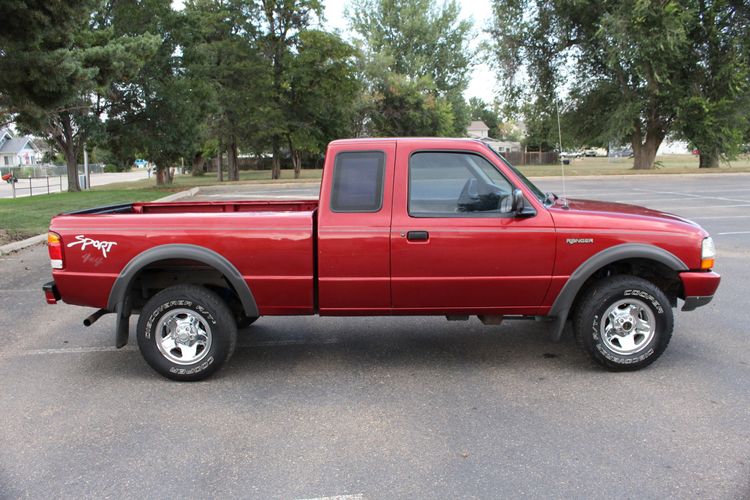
157	276
662	276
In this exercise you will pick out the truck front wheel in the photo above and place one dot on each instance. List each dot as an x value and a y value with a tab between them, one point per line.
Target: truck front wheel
624	322
186	332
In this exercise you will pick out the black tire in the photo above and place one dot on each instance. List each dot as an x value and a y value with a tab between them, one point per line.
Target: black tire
606	323
196	316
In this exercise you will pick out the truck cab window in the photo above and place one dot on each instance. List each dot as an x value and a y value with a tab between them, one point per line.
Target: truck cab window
358	182
446	184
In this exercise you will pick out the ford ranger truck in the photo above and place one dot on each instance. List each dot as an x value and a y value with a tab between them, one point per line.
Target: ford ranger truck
435	226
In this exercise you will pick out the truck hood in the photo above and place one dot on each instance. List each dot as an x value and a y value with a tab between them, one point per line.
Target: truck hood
617	210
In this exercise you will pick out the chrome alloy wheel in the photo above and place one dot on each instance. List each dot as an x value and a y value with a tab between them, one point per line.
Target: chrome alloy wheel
183	336
628	326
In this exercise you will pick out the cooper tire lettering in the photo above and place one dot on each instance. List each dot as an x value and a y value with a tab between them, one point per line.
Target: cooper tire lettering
204	304
590	322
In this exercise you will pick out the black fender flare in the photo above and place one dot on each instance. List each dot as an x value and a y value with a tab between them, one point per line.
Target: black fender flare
182	251
561	307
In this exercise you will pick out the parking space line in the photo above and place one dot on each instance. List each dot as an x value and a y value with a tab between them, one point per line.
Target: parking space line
357	496
690	195
733	232
130	348
700	207
721	217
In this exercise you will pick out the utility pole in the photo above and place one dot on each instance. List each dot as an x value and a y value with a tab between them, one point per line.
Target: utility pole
86	175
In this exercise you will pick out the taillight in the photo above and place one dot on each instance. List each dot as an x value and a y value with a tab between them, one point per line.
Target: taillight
54	247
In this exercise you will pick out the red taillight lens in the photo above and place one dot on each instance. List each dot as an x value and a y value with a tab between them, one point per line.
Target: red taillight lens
54	247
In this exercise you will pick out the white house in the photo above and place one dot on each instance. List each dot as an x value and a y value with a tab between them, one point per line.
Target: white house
503	146
478	130
17	151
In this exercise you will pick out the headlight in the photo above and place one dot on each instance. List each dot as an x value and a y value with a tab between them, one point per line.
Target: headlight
708	253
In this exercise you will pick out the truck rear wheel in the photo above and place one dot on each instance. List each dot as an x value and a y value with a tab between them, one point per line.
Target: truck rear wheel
624	323
186	332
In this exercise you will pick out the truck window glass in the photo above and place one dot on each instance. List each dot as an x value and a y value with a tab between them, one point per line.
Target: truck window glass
443	184
358	182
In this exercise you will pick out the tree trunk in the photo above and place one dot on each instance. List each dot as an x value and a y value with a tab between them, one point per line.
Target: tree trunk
198	162
163	176
67	142
219	171
71	160
234	171
276	169
644	153
296	158
709	159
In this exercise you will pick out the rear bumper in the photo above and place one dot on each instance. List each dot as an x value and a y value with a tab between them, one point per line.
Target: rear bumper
699	288
51	294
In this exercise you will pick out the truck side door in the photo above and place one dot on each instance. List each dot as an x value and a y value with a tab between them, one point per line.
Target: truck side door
354	218
456	246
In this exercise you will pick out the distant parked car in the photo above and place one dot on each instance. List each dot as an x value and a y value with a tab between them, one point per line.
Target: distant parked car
590	152
571	154
621	152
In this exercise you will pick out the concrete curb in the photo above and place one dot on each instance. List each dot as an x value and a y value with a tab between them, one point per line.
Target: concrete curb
182	194
40	238
20	245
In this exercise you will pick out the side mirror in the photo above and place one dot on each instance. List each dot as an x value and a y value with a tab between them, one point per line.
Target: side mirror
519	205
518	201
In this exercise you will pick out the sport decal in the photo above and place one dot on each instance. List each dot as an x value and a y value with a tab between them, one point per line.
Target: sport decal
102	246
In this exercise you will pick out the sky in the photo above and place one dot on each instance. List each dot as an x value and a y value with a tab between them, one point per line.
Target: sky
482	80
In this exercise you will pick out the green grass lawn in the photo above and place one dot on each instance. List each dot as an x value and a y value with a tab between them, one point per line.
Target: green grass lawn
670	164
25	217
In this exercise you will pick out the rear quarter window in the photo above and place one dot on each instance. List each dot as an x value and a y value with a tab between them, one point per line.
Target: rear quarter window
358	182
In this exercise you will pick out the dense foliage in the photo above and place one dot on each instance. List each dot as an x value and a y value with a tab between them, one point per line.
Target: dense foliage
630	71
257	78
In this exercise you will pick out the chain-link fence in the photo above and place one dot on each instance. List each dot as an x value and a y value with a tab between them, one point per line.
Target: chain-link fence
30	180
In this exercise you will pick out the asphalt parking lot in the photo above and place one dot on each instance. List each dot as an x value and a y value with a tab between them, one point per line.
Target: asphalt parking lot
387	407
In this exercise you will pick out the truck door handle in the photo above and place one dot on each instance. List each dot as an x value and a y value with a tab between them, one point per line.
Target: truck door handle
417	236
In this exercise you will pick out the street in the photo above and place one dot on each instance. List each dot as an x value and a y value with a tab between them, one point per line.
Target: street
407	407
39	185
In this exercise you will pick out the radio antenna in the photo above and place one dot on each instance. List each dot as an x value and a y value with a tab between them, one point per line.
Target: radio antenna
562	165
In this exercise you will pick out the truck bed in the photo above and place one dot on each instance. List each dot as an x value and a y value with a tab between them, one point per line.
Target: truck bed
270	243
202	207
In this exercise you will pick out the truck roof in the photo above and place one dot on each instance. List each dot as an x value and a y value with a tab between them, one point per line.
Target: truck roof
361	140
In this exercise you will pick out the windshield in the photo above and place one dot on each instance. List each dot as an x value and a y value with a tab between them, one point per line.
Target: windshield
532	187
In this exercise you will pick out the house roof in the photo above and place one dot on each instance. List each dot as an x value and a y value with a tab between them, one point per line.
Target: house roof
478	125
15	145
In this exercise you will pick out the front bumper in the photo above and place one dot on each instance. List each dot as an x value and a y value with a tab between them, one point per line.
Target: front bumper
699	288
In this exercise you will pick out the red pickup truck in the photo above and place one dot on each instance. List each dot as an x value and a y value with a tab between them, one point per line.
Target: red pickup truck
403	227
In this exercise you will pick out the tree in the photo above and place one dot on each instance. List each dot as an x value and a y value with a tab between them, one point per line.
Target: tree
54	77
408	108
158	113
715	114
480	110
624	63
223	51
410	47
321	92
284	20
